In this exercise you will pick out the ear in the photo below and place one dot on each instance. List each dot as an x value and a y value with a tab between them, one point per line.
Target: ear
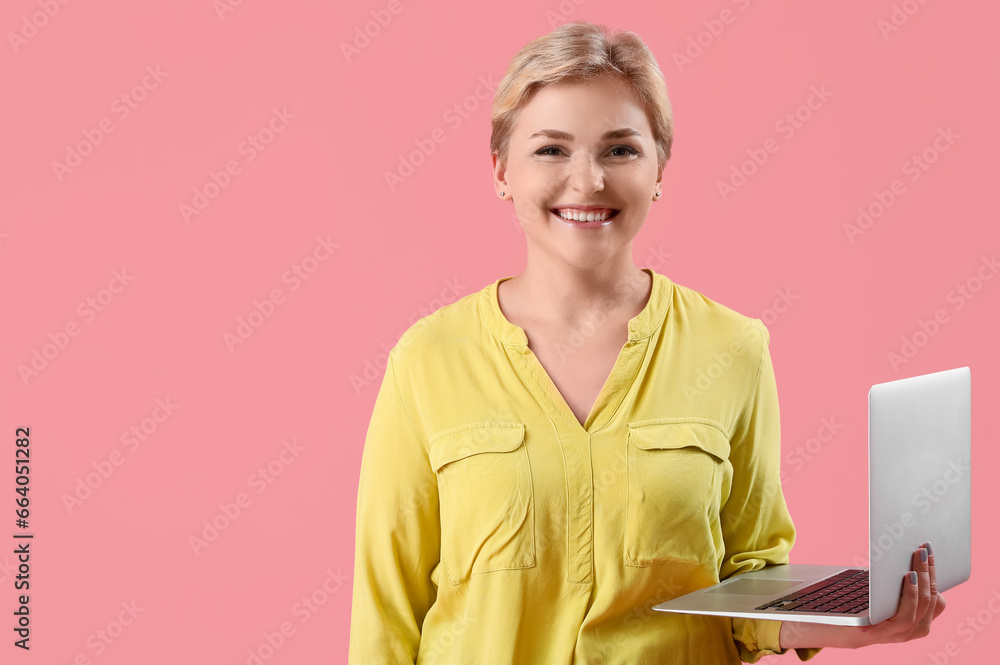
499	174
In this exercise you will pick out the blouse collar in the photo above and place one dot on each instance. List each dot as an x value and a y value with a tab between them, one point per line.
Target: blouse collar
641	326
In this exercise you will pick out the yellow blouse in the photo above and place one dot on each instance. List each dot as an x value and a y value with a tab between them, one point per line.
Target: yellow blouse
493	528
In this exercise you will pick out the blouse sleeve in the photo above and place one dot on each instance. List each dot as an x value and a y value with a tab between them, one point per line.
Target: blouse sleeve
756	526
397	538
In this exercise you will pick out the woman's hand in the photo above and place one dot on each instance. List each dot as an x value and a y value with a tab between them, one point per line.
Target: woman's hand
919	604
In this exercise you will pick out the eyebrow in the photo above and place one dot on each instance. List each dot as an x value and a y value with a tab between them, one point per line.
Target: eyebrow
607	136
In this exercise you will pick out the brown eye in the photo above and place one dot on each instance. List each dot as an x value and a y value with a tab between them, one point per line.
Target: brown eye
630	150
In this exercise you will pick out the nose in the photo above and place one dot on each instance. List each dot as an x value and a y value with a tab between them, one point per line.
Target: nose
586	175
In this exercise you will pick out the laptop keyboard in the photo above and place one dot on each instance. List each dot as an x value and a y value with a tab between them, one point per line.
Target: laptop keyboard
843	593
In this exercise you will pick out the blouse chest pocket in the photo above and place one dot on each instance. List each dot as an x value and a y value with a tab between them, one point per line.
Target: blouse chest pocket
674	475
486	502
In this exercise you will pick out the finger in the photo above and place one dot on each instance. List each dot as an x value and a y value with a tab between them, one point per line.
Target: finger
931	568
925	597
925	608
906	616
939	601
939	605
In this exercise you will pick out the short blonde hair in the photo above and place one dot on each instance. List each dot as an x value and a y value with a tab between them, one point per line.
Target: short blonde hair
576	52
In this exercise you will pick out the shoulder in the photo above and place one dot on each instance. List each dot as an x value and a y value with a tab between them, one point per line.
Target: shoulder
448	330
715	355
706	316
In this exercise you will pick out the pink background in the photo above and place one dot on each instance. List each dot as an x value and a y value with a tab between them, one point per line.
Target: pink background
328	127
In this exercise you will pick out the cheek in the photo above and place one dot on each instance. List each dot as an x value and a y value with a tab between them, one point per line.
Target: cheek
532	211
642	198
533	190
543	186
638	199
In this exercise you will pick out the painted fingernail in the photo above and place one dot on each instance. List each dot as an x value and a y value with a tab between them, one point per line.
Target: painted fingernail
913	577
923	555
927	546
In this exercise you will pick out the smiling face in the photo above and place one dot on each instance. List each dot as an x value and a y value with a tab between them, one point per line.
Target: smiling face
581	170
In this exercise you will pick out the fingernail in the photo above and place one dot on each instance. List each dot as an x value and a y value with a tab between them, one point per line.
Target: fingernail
927	546
923	555
913	577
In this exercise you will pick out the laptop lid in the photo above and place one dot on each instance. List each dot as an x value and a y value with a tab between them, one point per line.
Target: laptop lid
920	489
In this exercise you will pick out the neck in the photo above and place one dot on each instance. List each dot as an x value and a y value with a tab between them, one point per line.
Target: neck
560	294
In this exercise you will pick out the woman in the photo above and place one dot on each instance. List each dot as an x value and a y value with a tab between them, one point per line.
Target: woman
548	458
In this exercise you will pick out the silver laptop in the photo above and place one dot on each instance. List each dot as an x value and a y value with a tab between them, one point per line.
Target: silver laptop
919	491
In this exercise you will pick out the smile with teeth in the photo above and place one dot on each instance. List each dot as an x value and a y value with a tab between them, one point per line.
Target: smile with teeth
586	216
